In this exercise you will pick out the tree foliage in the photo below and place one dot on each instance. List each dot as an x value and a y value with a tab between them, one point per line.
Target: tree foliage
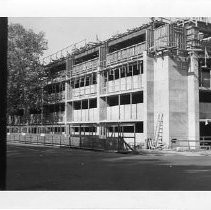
25	72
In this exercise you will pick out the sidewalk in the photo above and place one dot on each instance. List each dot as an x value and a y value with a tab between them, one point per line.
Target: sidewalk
183	153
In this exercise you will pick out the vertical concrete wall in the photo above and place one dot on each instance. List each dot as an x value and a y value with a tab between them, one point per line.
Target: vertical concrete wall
148	86
193	100
178	97
69	112
161	93
171	96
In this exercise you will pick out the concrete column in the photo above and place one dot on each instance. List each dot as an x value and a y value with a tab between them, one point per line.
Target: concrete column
101	105
68	110
148	91
193	100
98	92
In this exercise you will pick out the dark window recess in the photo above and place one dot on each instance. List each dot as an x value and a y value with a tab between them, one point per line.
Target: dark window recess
124	99
113	129
204	97
77	105
82	82
116	73
92	129
128	129
205	129
113	101
77	83
142	67
129	71
76	129
136	69
85	104
139	127
127	43
87	80
94	79
123	72
137	98
87	57
204	78
93	103
111	75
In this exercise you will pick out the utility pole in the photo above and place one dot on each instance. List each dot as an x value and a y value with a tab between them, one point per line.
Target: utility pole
3	99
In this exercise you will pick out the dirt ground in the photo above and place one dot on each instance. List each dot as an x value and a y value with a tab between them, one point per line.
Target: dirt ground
45	168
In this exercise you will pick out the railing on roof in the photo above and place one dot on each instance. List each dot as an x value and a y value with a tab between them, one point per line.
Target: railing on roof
63	52
126	53
85	66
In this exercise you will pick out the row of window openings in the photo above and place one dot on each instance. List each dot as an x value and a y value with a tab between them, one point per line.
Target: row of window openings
112	129
83	130
113	74
84	81
85	104
132	98
125	71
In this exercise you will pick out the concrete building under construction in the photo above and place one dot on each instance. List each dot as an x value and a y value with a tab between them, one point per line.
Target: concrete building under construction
151	82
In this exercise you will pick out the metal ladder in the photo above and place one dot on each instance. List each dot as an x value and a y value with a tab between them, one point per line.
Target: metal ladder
159	132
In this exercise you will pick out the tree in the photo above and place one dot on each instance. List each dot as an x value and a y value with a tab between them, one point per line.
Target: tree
26	75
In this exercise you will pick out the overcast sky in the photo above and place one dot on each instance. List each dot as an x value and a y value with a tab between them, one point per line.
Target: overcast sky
62	32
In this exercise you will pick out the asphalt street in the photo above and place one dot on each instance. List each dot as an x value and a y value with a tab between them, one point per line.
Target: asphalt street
46	168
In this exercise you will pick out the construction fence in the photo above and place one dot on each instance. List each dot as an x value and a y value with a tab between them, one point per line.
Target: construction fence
93	142
187	144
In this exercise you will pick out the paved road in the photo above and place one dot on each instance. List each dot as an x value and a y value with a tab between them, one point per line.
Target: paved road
45	168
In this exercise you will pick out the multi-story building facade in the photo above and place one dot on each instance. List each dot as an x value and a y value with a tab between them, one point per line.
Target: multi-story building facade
150	82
